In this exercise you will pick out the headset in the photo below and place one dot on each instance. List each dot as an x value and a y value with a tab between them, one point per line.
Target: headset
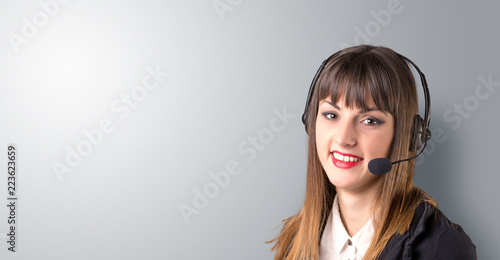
420	132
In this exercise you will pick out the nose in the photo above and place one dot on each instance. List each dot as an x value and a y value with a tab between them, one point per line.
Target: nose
346	134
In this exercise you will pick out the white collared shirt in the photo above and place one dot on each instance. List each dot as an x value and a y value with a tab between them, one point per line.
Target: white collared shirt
336	242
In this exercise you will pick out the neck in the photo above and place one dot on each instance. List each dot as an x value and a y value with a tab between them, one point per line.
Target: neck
356	208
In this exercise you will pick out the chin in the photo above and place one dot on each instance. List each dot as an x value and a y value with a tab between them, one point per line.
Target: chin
344	181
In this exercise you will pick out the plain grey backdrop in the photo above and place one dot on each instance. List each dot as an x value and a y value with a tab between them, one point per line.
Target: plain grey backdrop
171	129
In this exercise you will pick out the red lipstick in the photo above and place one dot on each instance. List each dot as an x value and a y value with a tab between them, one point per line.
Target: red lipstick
342	164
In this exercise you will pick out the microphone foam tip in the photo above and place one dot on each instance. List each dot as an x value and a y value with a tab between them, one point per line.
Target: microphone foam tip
379	166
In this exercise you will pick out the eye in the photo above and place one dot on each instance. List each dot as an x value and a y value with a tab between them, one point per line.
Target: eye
329	115
372	121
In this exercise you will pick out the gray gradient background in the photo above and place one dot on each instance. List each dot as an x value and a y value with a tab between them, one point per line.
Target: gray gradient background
226	77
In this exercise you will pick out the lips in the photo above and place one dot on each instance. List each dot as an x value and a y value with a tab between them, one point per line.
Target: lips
344	160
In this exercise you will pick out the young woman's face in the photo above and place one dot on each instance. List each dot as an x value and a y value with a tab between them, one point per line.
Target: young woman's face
347	139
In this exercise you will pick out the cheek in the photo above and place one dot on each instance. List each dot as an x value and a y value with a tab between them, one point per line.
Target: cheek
383	143
322	141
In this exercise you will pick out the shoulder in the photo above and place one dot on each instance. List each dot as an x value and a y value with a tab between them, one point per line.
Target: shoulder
432	236
437	234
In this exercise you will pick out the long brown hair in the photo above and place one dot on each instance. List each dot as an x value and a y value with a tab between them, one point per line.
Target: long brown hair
359	74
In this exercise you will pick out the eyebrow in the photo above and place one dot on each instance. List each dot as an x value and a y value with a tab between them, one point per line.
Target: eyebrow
360	111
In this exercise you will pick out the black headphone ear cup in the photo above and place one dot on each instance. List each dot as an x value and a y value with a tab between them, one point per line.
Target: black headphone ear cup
417	134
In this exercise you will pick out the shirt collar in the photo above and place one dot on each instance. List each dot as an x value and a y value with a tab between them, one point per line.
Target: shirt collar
339	234
340	237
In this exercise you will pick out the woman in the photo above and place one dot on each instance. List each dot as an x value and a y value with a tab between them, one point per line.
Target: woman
362	106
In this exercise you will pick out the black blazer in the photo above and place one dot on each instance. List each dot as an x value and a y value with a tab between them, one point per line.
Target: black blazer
431	236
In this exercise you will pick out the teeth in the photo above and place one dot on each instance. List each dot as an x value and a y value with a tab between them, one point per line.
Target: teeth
346	158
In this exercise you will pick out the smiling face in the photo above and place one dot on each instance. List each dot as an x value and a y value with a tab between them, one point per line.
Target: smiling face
347	139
